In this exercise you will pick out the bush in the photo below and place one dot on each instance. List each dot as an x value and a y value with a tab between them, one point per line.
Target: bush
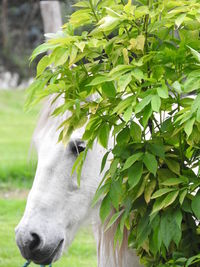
142	61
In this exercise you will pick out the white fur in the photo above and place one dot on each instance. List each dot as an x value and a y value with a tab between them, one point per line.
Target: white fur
56	206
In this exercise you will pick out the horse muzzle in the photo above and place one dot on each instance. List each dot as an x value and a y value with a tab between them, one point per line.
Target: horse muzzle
35	247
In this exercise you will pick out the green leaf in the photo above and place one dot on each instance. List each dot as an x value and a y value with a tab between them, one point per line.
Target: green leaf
173	165
73	54
196	205
143	230
135	131
99	80
41	49
170	198
180	20
163	91
100	191
147	112
143	103
182	196
173	181
114	218
123	137
158	205
169	229
128	114
138	74
188	127
103	134
105	208
120	70
115	193
104	160
135	174
132	159
195	54
155	103
43	63
161	192
150	163
123	81
149	190
177	87
157	150
108	89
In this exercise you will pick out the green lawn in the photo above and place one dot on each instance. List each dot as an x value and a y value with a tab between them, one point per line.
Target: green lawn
82	253
16	128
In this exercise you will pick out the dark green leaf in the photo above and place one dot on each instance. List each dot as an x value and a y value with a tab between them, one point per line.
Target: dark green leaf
196	205
135	174
150	163
108	89
132	159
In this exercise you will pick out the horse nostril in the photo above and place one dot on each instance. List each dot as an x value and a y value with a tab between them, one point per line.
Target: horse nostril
35	242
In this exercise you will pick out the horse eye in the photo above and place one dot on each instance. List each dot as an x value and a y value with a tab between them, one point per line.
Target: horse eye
77	146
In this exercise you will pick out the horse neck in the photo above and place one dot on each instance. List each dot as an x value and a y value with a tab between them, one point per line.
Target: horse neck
110	256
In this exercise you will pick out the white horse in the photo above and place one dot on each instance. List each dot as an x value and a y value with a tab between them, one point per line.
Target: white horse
57	207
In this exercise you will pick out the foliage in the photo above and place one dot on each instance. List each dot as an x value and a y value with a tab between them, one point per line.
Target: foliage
141	59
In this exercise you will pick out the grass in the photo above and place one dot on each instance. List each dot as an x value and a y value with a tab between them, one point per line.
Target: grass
16	128
82	253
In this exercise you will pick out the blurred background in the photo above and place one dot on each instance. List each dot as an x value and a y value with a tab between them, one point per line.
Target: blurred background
22	27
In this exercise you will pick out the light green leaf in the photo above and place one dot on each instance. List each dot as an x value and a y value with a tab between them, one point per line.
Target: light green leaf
195	53
73	55
180	20
188	127
99	80
163	91
43	63
155	103
128	114
177	87
103	134
143	103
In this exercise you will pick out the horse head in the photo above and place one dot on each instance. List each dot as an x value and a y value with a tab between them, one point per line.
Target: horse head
56	205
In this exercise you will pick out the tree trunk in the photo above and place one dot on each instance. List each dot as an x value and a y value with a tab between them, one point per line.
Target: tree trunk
4	24
51	15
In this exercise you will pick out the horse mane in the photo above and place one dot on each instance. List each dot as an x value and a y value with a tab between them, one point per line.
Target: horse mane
46	121
108	255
